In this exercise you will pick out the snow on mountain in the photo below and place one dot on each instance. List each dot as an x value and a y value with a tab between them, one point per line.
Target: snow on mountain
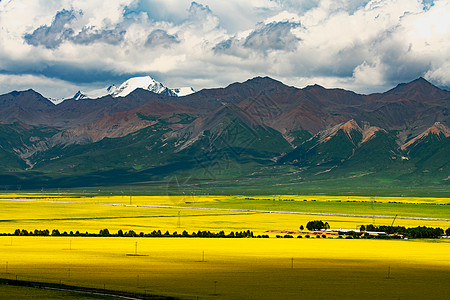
144	82
56	101
183	91
95	93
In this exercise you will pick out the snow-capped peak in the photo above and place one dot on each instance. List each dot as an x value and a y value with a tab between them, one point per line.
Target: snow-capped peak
144	82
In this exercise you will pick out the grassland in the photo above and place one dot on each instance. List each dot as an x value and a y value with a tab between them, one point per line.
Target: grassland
31	293
225	268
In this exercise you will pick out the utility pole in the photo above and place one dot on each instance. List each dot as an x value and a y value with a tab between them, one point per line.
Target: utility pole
394	219
373	214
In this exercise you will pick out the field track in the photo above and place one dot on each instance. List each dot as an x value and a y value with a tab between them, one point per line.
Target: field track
80	290
231	210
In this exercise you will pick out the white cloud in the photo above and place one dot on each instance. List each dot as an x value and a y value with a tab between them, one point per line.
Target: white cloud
362	45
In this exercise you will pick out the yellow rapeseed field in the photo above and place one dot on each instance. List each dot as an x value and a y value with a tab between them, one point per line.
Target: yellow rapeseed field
235	268
93	216
193	198
196	268
67	212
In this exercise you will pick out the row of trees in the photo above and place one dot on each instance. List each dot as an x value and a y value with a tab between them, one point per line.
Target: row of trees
131	233
413	232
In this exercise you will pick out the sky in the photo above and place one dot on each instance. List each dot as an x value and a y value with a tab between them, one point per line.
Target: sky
58	47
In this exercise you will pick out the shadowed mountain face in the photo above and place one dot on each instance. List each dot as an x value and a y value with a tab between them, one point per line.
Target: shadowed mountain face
253	130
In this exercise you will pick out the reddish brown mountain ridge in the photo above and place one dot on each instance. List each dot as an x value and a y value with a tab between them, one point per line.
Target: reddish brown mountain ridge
260	119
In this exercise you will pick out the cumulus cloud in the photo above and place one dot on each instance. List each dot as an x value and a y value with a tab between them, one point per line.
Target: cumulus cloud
357	44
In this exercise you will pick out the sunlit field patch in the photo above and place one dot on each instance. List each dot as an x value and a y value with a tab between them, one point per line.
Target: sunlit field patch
235	268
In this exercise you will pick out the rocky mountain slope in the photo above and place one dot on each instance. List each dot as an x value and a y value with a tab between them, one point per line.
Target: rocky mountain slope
253	130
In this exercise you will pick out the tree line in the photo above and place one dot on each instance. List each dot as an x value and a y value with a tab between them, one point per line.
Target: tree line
411	232
131	233
391	232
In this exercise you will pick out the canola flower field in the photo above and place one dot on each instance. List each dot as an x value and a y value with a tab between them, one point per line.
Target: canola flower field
236	268
178	213
201	268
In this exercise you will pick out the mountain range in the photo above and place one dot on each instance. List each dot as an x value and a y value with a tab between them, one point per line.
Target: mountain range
256	134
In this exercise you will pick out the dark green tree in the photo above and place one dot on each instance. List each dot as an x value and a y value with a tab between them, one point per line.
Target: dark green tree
104	232
317	225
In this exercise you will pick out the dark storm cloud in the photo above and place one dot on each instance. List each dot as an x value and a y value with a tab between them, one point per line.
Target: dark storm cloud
90	35
265	38
71	72
52	36
160	38
223	46
273	36
59	31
